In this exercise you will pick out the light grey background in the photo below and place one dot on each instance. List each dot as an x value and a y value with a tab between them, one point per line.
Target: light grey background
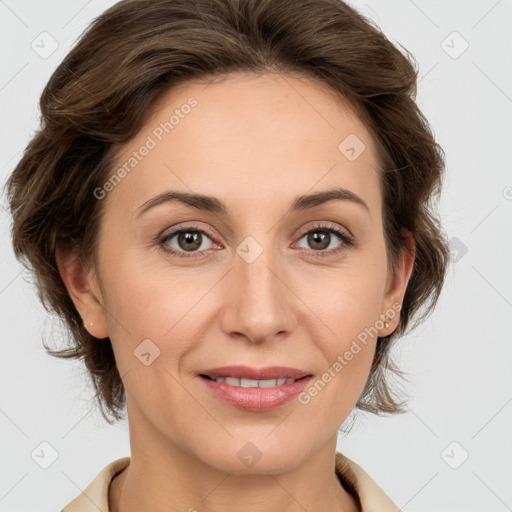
459	360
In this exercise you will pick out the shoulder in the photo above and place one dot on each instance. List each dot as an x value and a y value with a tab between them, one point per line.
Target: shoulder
94	498
359	483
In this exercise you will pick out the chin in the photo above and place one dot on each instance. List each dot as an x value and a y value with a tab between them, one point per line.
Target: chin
254	455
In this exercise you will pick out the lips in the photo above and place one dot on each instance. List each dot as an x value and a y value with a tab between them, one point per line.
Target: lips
255	389
255	395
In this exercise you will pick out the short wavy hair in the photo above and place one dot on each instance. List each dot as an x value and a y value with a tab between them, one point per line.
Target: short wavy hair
132	55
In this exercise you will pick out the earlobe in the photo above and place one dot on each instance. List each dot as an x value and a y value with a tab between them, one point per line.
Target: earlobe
83	290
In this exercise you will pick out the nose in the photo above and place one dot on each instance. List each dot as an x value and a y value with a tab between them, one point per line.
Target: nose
258	302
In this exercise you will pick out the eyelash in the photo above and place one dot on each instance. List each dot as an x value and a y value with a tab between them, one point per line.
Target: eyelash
347	240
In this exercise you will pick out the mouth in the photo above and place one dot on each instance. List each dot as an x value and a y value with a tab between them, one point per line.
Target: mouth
249	377
253	383
255	389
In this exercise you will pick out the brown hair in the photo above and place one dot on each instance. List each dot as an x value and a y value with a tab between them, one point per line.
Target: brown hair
135	52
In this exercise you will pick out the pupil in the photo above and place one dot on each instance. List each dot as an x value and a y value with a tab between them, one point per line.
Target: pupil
319	237
189	238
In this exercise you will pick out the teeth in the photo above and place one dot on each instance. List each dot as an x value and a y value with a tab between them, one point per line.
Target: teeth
252	383
267	383
248	383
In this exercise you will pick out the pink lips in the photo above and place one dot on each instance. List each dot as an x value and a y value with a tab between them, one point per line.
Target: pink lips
255	399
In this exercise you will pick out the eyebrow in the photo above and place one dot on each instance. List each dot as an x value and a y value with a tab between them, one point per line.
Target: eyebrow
214	205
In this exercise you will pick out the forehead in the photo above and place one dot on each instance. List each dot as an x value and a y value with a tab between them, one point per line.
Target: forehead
245	137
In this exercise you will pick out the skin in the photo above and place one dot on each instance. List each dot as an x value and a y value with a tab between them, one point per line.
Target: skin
255	143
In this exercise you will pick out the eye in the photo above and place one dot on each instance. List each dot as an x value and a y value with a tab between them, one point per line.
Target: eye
320	238
186	242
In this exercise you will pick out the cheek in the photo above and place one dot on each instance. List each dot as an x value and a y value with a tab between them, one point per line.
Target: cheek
169	306
349	323
347	300
151	306
352	311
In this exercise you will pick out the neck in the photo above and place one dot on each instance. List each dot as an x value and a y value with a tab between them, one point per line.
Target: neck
162	477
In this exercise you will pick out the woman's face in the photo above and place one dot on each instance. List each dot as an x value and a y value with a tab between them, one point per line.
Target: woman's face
251	284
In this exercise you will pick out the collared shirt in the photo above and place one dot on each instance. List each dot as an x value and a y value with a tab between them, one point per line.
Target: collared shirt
369	496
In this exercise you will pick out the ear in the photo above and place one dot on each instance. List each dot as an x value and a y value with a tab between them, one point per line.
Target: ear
397	283
84	291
